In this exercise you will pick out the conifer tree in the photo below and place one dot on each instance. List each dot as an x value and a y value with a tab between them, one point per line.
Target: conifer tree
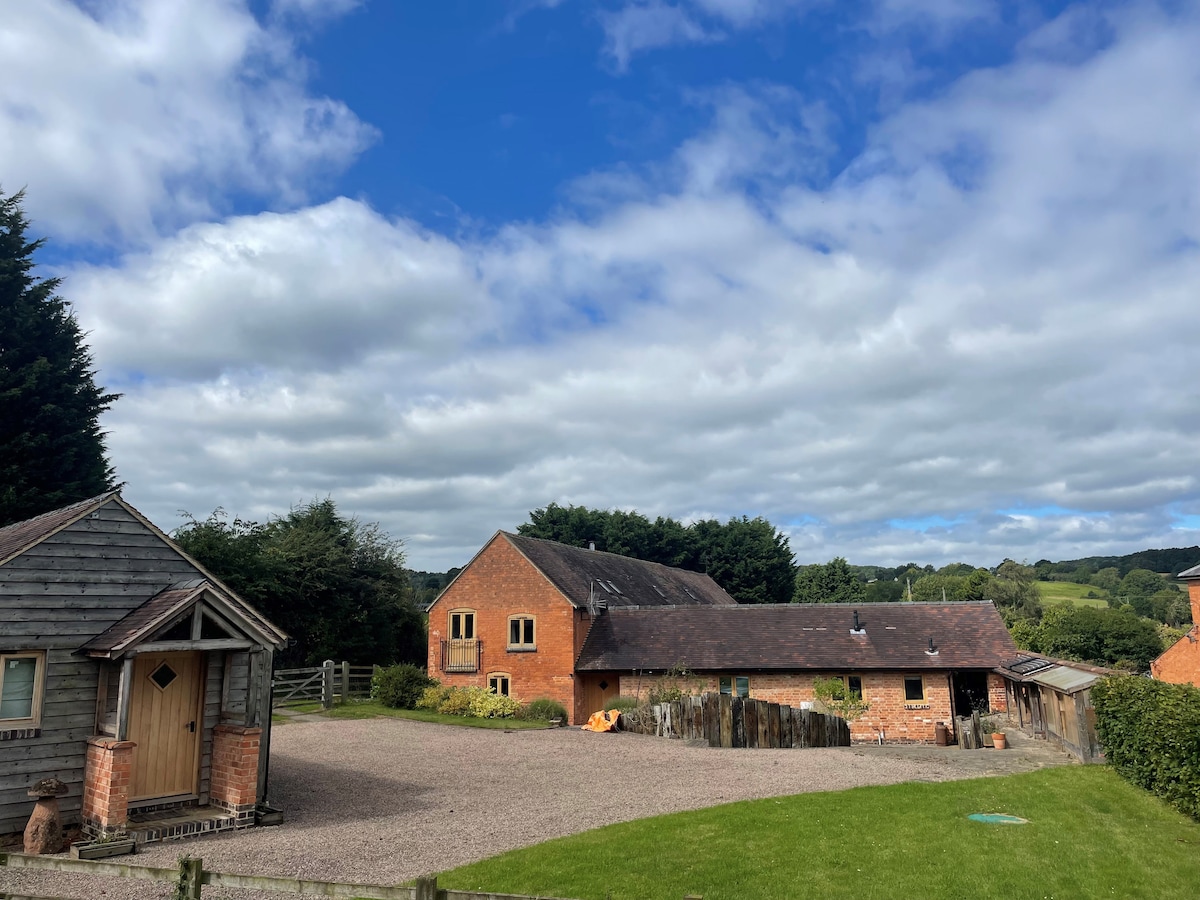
51	447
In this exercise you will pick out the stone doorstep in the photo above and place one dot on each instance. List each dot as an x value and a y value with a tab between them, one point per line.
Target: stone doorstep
171	824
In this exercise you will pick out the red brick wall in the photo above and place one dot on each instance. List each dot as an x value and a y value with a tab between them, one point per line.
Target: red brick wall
499	583
997	693
235	770
900	721
106	776
1180	664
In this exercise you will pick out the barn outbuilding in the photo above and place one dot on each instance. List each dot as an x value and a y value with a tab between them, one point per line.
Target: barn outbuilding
131	674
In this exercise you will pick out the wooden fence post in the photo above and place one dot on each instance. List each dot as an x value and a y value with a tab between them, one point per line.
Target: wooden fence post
345	682
426	889
327	684
190	881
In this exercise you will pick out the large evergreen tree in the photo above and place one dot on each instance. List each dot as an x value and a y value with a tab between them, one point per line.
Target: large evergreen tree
51	446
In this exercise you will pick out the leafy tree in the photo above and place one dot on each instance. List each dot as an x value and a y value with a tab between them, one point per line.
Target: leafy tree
881	591
51	447
1014	590
336	586
832	582
1106	637
1107	579
931	587
1140	584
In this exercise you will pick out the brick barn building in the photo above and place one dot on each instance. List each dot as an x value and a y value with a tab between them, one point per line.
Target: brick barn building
533	618
1180	664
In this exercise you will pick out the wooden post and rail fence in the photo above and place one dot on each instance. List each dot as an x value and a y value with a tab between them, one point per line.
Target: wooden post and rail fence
326	684
191	878
723	720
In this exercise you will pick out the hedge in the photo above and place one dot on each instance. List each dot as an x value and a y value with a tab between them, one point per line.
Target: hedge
1151	735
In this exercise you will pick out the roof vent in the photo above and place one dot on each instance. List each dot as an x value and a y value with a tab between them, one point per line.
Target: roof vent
591	545
933	650
858	626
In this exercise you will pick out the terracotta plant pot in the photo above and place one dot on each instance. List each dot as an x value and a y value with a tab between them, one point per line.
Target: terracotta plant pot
999	741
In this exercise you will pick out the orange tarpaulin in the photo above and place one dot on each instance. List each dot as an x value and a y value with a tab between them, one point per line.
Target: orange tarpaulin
602	721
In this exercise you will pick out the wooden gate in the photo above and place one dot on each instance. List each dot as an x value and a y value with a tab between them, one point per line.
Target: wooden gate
164	722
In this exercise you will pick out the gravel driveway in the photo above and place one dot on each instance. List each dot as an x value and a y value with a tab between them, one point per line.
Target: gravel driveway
384	800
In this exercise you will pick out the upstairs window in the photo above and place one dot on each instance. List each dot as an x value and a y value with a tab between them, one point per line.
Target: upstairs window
521	633
462	625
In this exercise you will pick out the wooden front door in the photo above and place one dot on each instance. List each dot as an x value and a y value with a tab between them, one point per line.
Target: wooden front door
594	691
164	722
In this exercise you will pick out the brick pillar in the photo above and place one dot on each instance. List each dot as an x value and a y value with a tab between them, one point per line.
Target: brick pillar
1194	596
235	771
106	778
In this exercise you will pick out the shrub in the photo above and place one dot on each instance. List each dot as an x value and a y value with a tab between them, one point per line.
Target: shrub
400	687
543	709
486	705
432	697
456	702
622	704
1151	735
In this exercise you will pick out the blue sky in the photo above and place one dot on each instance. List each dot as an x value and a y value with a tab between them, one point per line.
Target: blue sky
912	278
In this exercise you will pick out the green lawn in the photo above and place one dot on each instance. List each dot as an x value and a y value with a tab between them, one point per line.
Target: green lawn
1069	592
1089	835
368	709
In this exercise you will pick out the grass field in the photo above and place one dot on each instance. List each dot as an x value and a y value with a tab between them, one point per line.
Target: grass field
368	709
1090	835
1069	592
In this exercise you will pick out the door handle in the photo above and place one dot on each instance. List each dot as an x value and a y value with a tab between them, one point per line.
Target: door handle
191	726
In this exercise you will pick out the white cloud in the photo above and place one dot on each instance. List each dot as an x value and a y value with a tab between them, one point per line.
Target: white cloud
992	309
144	115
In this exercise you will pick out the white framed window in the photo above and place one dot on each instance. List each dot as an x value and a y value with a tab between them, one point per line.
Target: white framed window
22	677
522	632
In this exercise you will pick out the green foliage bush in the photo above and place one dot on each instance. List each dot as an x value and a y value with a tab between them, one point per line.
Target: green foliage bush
432	697
622	704
543	709
456	702
483	704
472	701
1151	734
400	687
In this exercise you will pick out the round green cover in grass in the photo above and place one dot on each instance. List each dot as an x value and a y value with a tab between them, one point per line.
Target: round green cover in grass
997	819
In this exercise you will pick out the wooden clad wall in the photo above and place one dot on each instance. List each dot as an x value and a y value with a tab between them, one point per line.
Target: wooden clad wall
55	597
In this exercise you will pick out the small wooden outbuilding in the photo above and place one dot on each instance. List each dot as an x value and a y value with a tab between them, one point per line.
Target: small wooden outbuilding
131	674
1051	698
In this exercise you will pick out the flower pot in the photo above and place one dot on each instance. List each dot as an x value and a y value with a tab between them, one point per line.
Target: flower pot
999	741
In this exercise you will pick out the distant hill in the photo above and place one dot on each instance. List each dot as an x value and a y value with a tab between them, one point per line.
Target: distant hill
1171	561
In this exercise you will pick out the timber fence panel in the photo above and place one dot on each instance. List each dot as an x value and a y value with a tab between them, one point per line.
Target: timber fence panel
191	878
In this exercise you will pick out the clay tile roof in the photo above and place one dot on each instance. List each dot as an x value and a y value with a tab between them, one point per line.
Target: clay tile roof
619	581
799	636
15	539
163	607
156	611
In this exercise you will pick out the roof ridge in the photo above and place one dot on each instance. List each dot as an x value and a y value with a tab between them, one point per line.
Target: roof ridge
68	514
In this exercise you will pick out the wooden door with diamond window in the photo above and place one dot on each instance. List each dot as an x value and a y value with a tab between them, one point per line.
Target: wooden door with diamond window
164	722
